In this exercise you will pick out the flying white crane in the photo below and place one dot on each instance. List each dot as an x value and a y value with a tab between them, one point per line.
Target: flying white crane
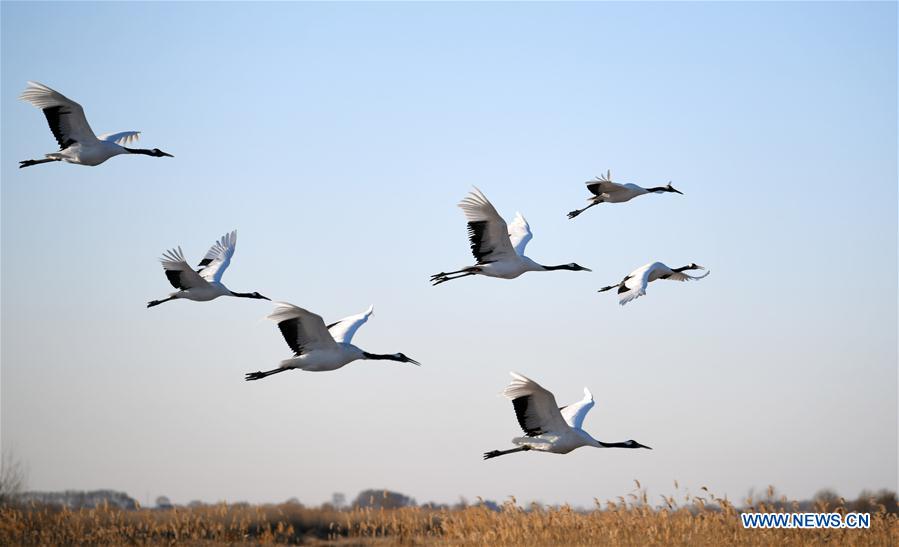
548	427
205	283
606	191
77	142
497	248
634	285
318	348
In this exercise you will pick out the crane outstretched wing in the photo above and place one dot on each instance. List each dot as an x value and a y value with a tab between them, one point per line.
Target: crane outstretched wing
64	116
487	231
575	413
218	257
681	276
519	233
634	285
179	272
302	329
342	331
602	184
535	407
122	138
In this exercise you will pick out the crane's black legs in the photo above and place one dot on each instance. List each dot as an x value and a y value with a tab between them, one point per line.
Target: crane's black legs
443	279
444	274
576	212
258	375
29	163
495	453
608	288
152	303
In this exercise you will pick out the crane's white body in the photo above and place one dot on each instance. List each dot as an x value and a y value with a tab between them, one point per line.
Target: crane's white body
510	269
88	153
77	142
497	247
634	285
204	293
324	359
619	193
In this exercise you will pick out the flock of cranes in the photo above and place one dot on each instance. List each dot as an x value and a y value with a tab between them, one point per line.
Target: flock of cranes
498	250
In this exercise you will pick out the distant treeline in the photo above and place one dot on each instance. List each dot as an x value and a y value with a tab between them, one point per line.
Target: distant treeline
866	502
79	499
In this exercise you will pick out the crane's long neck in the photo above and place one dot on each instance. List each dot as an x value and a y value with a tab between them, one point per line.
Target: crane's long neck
398	357
658	189
599	444
611	445
380	357
559	267
144	151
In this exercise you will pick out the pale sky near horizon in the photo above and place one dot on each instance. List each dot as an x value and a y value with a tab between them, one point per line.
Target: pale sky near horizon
338	138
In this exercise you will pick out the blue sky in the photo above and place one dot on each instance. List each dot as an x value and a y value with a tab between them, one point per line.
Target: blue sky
337	139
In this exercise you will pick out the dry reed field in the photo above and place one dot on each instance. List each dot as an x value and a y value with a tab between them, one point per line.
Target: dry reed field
697	520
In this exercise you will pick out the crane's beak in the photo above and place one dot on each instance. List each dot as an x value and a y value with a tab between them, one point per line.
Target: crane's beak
166	154
644	446
414	362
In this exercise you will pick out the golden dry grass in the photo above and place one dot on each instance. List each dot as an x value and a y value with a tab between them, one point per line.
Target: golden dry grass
697	521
